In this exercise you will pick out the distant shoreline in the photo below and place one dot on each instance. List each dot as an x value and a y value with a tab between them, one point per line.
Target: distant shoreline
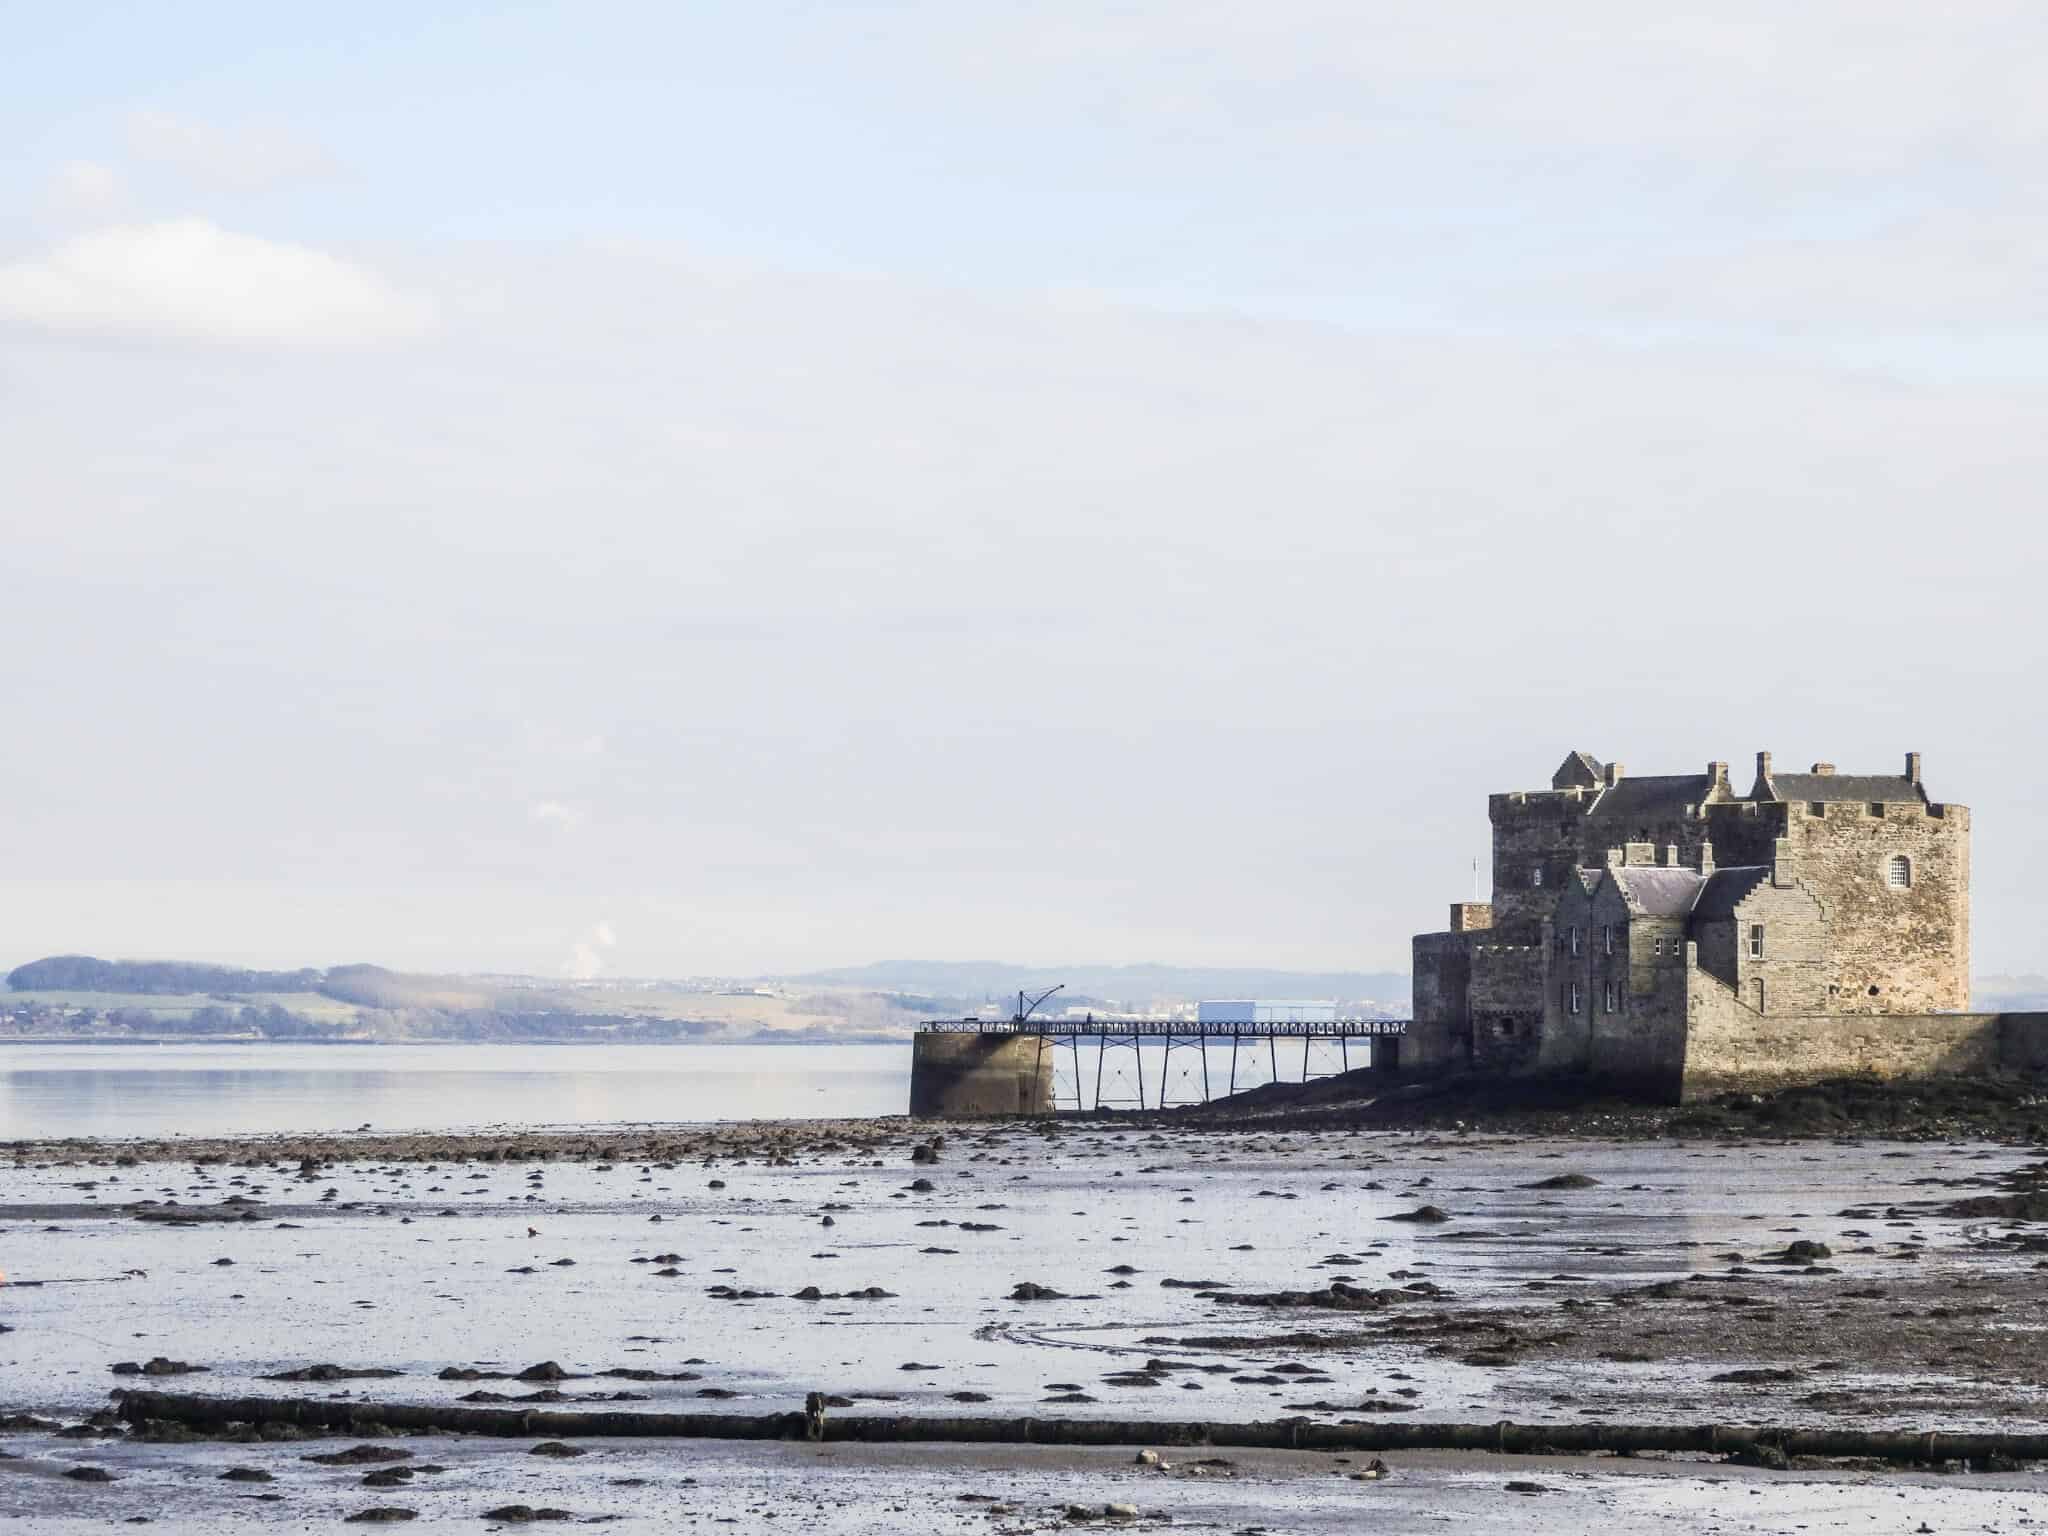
267	1040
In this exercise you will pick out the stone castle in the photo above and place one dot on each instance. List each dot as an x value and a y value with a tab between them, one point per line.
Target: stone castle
1680	938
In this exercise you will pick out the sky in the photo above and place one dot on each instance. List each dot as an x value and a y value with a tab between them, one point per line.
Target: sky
669	489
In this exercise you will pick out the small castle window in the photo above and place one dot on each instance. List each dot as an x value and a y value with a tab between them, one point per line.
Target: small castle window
1574	931
1816	807
1607	937
1756	941
1877	809
1657	946
1576	1000
1899	873
1536	877
1609	998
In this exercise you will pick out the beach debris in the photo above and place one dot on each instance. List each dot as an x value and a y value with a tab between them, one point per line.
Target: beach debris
525	1514
359	1455
329	1372
156	1365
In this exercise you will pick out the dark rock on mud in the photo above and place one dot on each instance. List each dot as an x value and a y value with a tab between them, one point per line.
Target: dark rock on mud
1757	1376
525	1514
1337	1295
557	1448
360	1455
246	1475
157	1366
326	1372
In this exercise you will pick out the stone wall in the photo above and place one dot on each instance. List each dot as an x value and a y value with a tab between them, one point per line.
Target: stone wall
976	1076
1440	1031
1729	1046
1506	1005
1536	838
2023	1042
1791	975
1892	951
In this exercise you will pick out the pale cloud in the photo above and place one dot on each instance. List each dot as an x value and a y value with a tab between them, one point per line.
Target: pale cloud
555	813
246	157
1174	636
1950	271
587	958
1837	85
85	189
190	280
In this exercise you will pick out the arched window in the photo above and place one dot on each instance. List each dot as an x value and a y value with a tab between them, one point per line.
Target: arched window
1899	872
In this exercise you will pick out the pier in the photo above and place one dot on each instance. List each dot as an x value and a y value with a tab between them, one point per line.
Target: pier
1037	1066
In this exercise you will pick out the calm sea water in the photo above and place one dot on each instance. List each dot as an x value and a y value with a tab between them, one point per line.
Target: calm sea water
205	1090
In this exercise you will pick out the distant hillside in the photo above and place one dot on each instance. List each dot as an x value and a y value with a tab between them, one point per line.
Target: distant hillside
976	979
153	978
2009	994
83	997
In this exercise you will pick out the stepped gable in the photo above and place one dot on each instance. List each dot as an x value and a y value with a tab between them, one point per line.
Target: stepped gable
1725	889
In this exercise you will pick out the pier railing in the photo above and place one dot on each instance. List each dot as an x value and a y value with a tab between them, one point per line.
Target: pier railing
1118	1081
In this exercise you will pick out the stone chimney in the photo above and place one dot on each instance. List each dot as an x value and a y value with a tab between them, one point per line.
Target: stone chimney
1717	775
1637	855
1671	855
1616	858
1782	861
1706	857
1825	770
1913	766
1763	766
1615	774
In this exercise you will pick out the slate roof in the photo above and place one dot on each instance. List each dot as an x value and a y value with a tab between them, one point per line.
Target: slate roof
1871	788
1659	890
1725	888
1593	768
1648	802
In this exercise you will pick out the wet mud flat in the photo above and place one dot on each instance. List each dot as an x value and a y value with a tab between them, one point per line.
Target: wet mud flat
1128	1272
920	1491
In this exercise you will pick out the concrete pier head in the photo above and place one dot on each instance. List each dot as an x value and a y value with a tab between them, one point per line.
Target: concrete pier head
969	1076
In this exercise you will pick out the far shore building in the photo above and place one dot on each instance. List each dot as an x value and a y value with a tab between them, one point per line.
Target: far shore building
1678	937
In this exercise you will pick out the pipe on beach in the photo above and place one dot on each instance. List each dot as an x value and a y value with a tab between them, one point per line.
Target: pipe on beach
1920	1446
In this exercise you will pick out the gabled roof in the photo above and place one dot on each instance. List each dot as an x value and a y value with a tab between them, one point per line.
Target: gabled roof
1647	802
1658	890
1872	788
1725	889
1581	768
